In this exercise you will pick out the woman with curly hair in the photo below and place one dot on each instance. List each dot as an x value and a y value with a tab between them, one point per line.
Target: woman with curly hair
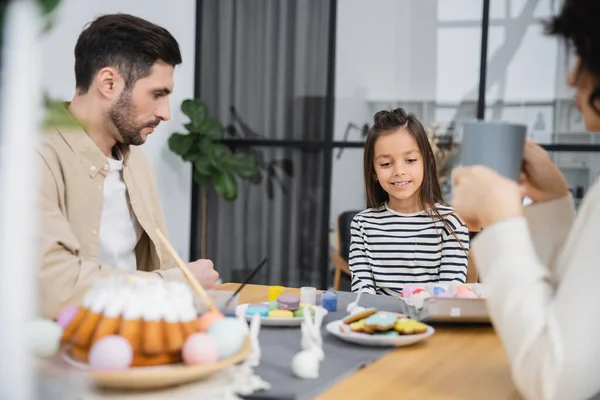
541	263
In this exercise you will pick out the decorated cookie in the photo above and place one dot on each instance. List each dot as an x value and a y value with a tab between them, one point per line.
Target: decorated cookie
281	314
261	309
357	317
359	326
409	326
380	322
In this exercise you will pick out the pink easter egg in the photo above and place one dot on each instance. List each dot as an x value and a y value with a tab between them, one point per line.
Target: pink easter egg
407	290
200	348
66	316
111	353
444	295
463	288
466	294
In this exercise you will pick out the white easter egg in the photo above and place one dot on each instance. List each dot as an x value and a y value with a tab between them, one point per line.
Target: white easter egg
43	337
229	334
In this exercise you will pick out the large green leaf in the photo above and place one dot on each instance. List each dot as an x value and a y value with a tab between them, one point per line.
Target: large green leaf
244	165
48	6
206	145
213	162
196	110
226	185
180	143
202	179
194	153
213	128
203	166
220	150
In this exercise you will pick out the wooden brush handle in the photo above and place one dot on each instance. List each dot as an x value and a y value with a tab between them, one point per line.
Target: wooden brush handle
186	272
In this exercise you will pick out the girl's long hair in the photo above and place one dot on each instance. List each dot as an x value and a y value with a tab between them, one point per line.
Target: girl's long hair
430	192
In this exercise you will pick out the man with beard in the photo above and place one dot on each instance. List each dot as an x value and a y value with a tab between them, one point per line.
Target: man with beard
99	204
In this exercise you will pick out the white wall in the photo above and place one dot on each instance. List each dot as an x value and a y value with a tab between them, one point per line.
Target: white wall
172	175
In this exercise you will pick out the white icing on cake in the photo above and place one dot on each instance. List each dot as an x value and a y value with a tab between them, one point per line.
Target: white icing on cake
181	303
152	308
188	313
170	306
134	297
134	307
89	297
120	299
100	300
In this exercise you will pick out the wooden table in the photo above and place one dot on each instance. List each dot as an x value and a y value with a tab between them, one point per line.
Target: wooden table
461	362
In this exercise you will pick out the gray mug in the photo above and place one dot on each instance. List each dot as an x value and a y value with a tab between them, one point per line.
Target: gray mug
497	145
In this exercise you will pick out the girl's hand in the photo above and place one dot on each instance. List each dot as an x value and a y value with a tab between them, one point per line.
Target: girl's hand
482	196
540	179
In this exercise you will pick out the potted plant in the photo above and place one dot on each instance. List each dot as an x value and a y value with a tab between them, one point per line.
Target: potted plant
214	164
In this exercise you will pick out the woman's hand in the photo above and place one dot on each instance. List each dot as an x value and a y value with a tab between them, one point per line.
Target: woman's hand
540	179
481	196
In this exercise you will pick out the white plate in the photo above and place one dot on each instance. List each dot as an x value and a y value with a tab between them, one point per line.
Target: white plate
266	321
366	339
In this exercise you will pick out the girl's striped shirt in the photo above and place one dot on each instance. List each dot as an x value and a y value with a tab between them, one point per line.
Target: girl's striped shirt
389	249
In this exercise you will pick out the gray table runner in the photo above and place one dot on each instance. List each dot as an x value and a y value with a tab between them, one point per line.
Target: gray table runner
279	344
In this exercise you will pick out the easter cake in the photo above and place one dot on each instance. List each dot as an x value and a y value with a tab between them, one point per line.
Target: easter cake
154	316
137	322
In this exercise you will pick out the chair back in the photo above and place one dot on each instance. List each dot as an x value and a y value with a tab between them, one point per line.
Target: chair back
344	222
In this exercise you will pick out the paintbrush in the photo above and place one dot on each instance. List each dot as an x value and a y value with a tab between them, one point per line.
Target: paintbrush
246	281
186	272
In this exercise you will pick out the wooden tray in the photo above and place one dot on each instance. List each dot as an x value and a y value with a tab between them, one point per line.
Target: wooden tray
159	376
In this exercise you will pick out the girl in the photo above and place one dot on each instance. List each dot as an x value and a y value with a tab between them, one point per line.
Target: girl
540	264
408	234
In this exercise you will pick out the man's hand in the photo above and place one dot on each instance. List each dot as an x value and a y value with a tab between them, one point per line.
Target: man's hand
205	273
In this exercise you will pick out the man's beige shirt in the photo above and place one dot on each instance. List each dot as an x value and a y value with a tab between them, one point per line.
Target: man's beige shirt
71	197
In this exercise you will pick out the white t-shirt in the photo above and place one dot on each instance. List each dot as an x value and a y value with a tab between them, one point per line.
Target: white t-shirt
119	228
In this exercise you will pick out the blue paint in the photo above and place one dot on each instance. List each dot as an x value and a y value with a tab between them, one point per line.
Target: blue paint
329	301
